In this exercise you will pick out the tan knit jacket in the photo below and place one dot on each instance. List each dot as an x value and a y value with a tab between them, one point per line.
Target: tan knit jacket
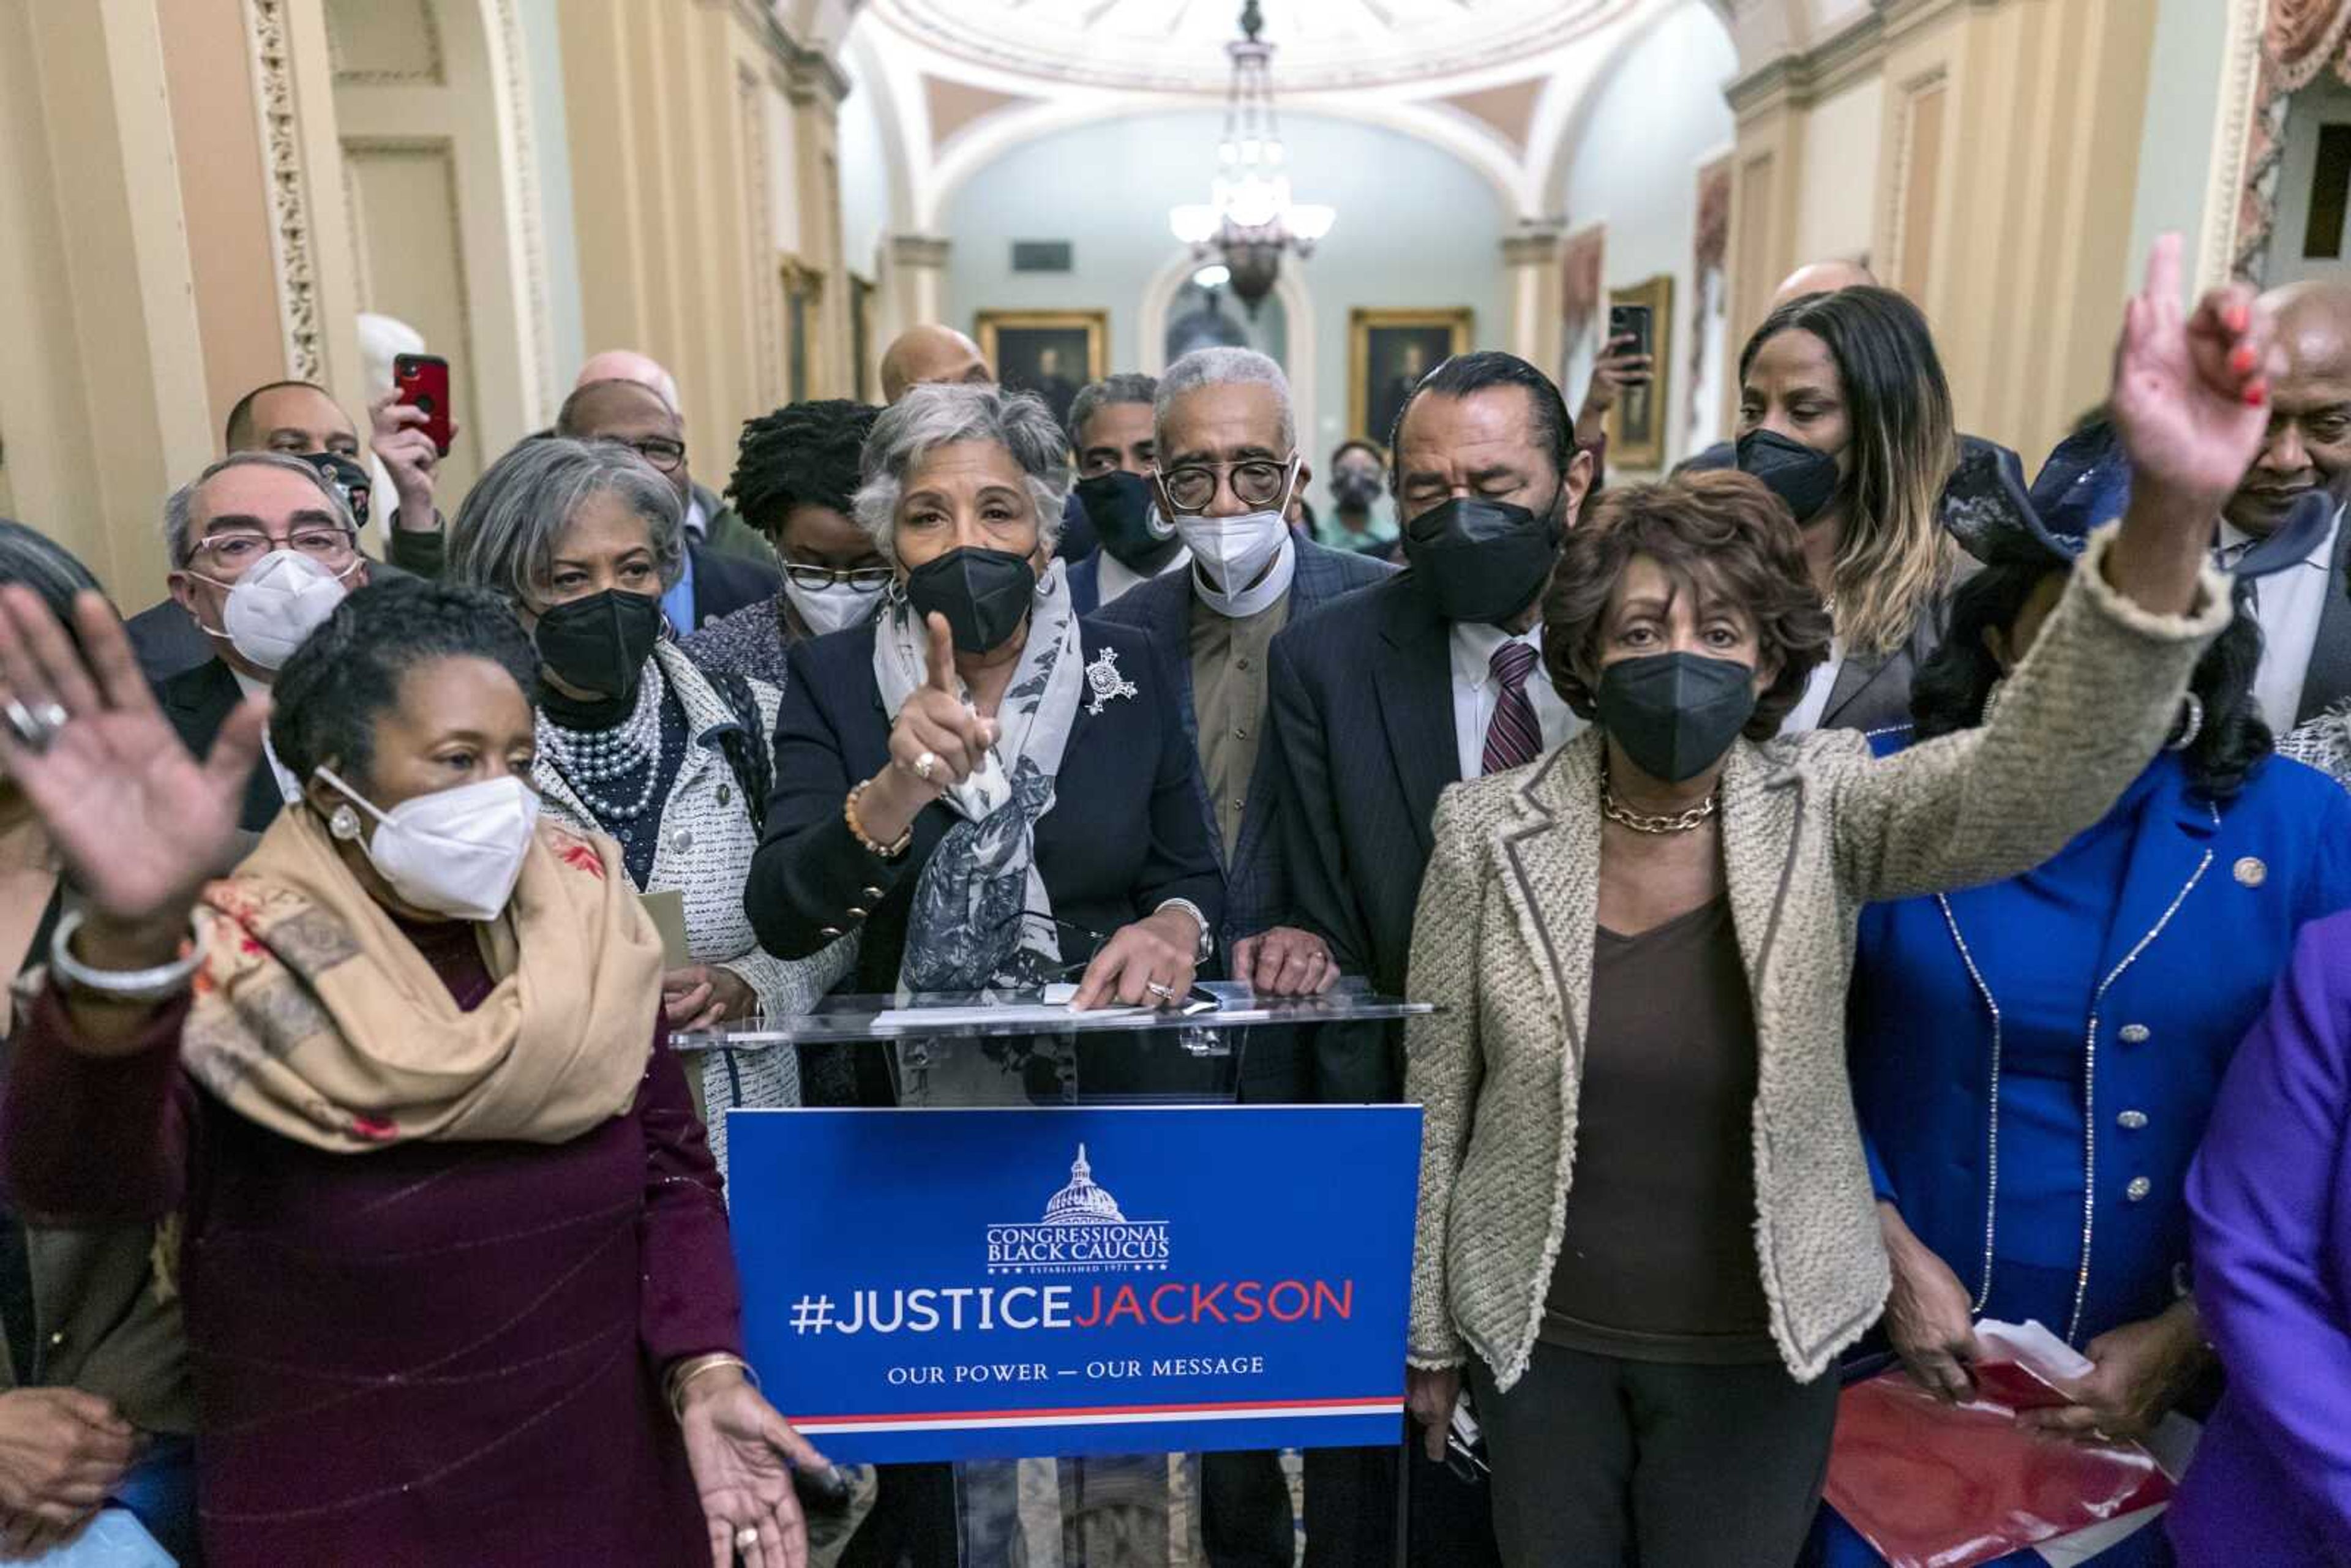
1813	827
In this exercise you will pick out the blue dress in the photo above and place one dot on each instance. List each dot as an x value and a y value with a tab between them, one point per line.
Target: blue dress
2124	971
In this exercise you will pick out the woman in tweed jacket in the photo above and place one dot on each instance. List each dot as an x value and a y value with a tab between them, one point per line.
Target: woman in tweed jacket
637	743
1649	1346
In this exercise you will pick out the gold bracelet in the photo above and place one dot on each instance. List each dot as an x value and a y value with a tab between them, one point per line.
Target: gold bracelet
888	852
685	1371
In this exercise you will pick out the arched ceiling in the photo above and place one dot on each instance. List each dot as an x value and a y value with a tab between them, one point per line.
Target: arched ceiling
1179	46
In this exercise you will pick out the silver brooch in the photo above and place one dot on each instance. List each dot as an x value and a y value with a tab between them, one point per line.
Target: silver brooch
1103	680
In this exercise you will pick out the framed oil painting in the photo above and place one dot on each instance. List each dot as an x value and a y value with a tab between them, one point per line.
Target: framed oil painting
1637	425
1387	353
1052	353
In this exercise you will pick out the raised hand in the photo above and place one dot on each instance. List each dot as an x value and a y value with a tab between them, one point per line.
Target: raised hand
2190	393
409	455
937	742
141	823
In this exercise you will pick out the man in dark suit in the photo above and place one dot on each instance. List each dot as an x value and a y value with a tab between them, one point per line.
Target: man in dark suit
302	421
1380	701
263	548
1111	433
1228	472
633	413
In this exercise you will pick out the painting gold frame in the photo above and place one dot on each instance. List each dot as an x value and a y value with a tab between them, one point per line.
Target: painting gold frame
988	324
1361	324
1638	424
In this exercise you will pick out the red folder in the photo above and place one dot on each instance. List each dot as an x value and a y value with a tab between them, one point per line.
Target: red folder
1931	1485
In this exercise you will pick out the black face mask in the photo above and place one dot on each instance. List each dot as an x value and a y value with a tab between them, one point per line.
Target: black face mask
599	644
349	479
1355	490
1675	714
1804	478
1482	561
982	593
1119	506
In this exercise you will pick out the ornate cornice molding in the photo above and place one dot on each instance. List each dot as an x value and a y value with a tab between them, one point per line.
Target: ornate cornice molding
530	219
293	256
2232	135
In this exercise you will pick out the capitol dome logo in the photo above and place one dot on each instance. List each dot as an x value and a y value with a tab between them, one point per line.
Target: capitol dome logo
1083	1232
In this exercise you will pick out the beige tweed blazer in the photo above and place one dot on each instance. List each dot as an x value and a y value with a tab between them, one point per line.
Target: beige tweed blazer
1813	827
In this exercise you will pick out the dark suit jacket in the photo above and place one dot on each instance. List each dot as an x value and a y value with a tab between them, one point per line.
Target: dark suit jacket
1123	835
2327	681
1162	608
724	583
1084	578
198	702
1872	692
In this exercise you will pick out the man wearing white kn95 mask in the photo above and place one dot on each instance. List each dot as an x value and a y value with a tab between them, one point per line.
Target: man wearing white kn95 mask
263	548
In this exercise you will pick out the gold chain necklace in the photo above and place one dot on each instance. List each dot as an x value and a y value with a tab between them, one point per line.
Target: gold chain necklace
1616	810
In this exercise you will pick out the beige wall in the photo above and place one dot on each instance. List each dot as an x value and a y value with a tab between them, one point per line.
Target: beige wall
198	196
702	146
1998	193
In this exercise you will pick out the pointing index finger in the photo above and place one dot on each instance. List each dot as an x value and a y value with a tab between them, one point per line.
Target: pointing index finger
942	654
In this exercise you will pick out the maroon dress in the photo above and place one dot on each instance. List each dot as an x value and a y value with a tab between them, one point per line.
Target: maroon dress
443	1352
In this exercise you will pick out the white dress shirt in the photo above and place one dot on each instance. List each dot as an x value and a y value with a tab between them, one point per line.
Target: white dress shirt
1476	693
1805	716
1117	577
2287	605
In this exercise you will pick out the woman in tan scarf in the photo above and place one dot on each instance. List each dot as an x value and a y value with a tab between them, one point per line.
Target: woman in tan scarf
451	1248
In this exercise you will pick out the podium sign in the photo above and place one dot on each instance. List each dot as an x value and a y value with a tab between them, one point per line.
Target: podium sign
953	1284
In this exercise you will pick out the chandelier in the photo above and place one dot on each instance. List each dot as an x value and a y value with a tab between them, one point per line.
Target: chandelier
1250	220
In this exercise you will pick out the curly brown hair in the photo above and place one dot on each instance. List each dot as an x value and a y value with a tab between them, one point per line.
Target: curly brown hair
1715	533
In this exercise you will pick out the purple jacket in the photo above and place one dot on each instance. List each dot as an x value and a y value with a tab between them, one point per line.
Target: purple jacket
2271	1197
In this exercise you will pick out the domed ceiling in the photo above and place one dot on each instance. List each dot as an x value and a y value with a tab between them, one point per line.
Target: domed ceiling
1180	45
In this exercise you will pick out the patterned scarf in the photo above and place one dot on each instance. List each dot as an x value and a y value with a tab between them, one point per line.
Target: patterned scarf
317	1018
981	918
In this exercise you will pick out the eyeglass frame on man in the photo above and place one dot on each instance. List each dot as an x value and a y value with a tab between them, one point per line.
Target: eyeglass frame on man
676	458
307	523
1221	477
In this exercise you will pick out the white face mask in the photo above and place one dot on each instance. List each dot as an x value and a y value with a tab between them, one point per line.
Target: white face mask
1231	551
273	608
835	607
456	852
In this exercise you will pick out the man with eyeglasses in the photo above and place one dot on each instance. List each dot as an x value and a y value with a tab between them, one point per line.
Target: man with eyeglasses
708	519
300	420
796	473
637	416
263	547
1110	430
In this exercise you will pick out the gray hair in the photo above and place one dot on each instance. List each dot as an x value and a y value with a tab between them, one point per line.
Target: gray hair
180	511
505	535
1111	391
1224	367
940	415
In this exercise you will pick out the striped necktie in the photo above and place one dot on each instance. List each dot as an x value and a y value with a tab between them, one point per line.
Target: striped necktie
1514	735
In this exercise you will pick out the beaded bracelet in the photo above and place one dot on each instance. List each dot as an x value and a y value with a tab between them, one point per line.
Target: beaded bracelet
888	852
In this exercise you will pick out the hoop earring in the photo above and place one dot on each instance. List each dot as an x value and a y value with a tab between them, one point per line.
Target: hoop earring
344	824
2190	724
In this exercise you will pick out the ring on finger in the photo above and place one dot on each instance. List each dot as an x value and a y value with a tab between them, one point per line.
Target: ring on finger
34	726
925	765
746	1538
1165	993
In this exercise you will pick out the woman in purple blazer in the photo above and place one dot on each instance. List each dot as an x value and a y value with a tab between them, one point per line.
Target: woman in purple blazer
2271	1480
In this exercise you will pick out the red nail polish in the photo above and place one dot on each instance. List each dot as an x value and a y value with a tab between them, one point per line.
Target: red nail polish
2257	394
2243	361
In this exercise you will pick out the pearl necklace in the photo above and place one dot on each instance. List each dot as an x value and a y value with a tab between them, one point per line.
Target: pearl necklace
589	758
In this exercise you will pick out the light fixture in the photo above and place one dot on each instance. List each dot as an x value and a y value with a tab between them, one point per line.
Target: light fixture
1250	220
1216	274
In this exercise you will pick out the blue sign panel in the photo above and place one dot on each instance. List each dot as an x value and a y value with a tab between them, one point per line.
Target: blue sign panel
1006	1283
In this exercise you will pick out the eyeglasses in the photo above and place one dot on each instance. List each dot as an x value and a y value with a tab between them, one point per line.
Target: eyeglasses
661	452
1257	483
233	549
860	578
